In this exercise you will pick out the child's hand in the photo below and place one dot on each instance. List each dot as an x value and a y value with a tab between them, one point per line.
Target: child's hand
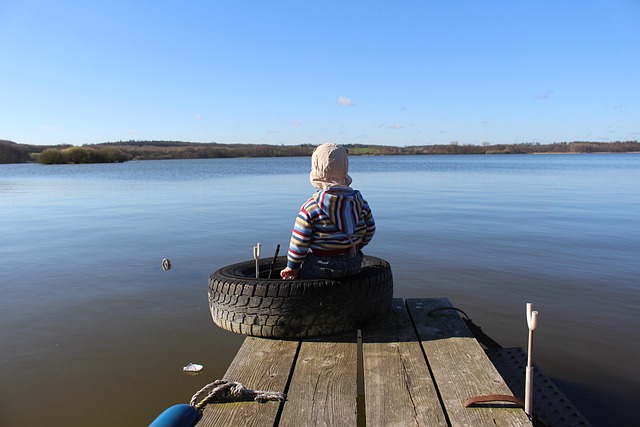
289	273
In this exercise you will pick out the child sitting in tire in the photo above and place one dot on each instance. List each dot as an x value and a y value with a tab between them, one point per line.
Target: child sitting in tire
333	225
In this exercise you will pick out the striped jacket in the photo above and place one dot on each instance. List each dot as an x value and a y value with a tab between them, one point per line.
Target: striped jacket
337	218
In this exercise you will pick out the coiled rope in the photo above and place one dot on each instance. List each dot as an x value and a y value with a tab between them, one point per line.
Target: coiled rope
230	391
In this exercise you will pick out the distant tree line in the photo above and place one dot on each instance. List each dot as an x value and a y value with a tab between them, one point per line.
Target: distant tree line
486	148
77	155
11	152
159	150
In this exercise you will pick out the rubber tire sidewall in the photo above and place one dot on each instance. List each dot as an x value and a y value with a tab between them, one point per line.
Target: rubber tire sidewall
276	308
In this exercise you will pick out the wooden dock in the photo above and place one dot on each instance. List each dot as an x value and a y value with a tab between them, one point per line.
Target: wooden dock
410	369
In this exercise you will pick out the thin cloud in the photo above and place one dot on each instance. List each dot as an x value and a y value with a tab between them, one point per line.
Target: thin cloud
199	117
393	126
545	95
345	102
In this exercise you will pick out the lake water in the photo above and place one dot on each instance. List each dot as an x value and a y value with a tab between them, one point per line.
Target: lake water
94	332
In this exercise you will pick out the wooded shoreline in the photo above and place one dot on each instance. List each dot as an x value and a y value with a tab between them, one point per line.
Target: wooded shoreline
121	151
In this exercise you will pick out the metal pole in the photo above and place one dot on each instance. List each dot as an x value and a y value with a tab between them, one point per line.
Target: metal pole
256	256
532	322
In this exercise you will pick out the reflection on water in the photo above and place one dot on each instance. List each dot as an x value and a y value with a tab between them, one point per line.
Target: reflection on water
93	329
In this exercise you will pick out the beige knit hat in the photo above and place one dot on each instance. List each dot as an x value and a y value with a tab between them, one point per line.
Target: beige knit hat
329	166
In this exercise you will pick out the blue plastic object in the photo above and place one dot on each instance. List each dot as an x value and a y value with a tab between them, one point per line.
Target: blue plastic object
181	415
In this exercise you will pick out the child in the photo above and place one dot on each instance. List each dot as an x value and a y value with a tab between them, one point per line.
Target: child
333	225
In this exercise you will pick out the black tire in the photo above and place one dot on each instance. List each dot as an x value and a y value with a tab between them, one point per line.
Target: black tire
276	308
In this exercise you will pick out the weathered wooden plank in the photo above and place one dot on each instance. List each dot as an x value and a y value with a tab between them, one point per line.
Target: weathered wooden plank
323	389
399	390
261	364
460	368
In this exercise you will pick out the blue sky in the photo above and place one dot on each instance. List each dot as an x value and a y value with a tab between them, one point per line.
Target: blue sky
403	72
